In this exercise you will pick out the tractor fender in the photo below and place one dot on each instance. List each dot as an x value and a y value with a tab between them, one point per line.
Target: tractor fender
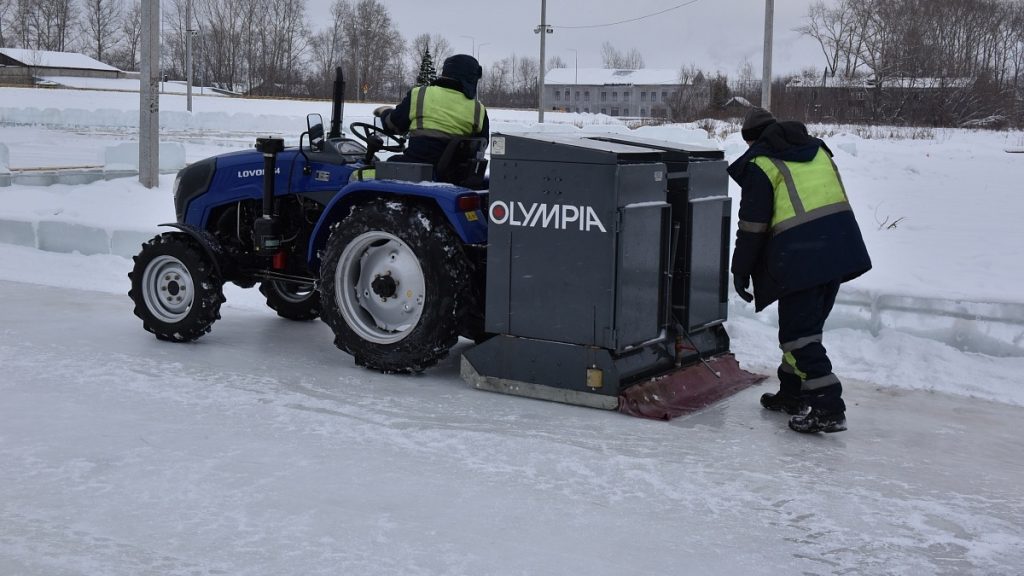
470	229
208	242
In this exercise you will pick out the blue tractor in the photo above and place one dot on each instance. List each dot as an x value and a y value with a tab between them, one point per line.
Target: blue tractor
389	255
593	270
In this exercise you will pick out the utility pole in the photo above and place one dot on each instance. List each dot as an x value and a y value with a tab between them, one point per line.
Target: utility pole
766	81
149	96
189	33
543	30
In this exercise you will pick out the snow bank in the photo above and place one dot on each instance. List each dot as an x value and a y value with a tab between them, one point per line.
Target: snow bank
107	217
170	120
126	156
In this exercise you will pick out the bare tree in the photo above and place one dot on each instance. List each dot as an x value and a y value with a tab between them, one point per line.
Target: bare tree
496	84
125	55
555	62
100	24
935	61
7	10
374	50
284	44
512	82
44	24
220	42
439	47
326	50
835	29
611	57
747	84
693	96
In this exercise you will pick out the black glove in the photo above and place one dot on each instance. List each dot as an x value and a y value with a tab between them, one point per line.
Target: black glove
741	282
380	110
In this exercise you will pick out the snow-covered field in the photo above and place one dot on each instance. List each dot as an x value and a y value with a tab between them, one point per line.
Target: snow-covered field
260	449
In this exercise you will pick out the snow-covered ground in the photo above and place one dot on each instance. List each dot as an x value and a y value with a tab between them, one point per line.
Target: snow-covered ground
260	449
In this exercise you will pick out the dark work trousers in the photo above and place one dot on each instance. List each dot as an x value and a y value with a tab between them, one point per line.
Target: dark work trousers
805	369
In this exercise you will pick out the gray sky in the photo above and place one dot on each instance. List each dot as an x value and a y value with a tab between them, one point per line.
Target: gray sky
714	34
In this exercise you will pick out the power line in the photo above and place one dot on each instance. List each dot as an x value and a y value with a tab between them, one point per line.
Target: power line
676	7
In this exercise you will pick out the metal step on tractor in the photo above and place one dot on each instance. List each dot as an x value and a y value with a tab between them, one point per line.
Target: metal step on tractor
587	270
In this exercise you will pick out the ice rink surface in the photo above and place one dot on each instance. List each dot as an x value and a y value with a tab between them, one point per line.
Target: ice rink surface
261	449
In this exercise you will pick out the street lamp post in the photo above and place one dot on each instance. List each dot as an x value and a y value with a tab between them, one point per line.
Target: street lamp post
544	29
576	79
482	44
473	50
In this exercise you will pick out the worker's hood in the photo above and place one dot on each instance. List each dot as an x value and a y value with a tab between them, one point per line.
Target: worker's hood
787	141
465	70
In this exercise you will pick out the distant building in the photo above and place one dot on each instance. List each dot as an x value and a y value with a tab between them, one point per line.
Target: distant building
26	67
894	98
643	93
737	105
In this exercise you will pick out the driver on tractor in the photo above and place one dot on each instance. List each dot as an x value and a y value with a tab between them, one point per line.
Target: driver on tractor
434	114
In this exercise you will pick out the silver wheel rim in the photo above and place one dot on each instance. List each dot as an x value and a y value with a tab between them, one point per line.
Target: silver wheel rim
292	292
168	289
379	287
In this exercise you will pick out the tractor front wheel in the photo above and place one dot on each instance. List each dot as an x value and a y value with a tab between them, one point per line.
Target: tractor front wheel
175	287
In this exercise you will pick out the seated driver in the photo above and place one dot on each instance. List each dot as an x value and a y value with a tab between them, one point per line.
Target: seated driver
433	114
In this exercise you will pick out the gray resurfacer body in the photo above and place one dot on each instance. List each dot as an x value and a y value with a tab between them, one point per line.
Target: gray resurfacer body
607	274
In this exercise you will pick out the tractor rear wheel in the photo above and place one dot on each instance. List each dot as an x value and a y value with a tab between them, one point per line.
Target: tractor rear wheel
175	287
292	300
393	277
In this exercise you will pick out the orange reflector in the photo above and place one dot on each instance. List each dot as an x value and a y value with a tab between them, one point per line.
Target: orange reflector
468	202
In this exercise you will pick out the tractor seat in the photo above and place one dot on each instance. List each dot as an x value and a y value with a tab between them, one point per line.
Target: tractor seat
463	162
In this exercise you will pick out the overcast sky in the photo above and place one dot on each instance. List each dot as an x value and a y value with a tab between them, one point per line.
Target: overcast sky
714	34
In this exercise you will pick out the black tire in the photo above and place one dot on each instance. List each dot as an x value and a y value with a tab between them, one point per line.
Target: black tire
292	300
393	276
175	287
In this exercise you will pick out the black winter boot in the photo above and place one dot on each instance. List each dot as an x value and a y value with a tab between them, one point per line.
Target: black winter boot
818	421
780	402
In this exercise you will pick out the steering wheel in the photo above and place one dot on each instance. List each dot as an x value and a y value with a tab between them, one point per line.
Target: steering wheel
376	138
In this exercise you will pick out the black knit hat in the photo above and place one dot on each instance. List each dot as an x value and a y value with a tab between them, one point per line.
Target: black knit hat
466	70
756	121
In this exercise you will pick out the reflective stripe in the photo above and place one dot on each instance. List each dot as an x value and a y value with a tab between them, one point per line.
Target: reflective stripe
421	97
789	361
816	383
794	198
756	227
431	133
477	115
812	215
800	343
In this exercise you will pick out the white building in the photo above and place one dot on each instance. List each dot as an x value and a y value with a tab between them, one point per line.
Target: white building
21	66
643	93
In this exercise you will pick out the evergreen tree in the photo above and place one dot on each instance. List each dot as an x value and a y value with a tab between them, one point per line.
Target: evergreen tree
427	72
